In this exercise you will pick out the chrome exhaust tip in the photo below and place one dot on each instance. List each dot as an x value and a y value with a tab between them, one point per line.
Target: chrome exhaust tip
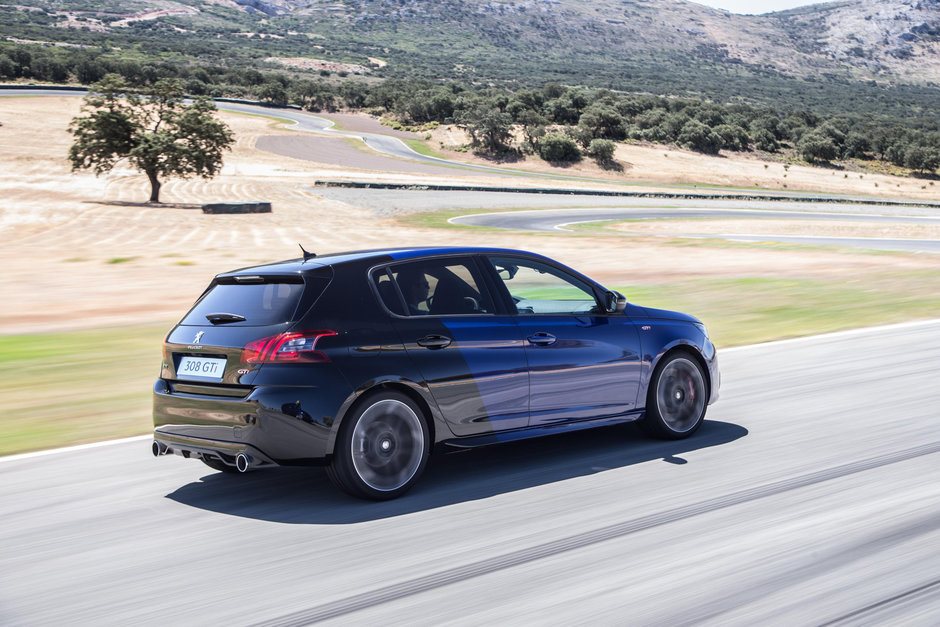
158	449
243	462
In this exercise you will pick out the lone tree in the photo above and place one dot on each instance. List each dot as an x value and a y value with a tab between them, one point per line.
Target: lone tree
157	132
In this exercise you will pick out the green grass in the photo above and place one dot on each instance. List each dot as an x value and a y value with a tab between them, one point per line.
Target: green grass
69	388
115	260
84	386
422	148
337	125
439	219
281	121
750	310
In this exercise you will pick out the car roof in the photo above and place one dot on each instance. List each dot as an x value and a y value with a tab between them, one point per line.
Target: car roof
294	266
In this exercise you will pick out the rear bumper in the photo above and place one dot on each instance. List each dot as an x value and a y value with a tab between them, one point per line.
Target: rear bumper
219	451
288	426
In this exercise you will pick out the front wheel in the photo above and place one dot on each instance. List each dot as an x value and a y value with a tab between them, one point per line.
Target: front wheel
676	401
382	448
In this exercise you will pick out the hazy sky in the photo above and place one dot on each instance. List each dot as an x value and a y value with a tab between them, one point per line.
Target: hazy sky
755	6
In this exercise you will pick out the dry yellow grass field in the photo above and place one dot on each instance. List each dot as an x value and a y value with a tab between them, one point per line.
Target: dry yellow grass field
85	252
660	165
93	276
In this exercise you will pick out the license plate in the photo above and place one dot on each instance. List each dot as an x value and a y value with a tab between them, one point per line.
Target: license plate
201	368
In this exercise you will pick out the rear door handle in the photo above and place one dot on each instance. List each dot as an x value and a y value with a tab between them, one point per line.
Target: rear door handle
541	339
434	341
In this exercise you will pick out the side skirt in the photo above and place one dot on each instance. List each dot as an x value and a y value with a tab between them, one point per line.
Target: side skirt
535	432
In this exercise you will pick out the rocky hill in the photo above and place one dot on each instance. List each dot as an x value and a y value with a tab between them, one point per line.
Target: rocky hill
890	39
660	46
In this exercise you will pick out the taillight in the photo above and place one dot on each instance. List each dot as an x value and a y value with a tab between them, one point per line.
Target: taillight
299	347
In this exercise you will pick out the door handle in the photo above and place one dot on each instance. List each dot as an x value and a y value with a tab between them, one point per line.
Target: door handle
434	341
541	339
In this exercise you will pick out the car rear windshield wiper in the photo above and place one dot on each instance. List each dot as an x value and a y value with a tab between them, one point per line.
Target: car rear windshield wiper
223	318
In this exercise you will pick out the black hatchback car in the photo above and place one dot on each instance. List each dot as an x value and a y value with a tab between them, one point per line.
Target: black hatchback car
367	361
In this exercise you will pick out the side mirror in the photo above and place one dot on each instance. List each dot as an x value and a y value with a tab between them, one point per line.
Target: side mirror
507	272
615	302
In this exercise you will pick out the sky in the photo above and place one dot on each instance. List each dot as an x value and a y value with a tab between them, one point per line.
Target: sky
755	6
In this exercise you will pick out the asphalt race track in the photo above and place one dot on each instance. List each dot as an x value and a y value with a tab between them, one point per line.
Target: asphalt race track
810	496
559	219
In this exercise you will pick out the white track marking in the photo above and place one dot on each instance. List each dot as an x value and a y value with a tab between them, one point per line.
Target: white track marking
71	449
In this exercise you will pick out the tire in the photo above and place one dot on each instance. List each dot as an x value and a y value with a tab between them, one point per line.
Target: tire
381	449
215	464
677	398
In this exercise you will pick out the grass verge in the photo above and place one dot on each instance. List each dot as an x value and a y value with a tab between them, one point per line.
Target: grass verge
751	310
438	219
422	148
70	388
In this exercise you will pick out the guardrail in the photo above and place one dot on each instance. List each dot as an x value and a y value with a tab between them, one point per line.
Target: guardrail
629	194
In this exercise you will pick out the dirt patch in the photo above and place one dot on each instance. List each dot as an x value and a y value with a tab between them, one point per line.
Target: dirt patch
308	63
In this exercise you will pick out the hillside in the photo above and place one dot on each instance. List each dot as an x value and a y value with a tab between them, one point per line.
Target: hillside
878	38
858	49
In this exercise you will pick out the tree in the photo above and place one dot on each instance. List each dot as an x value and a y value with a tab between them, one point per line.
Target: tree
490	128
733	137
765	140
922	158
856	145
533	127
699	137
816	147
272	92
602	150
158	134
603	121
558	147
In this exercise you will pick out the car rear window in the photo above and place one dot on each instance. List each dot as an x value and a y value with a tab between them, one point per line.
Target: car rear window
272	301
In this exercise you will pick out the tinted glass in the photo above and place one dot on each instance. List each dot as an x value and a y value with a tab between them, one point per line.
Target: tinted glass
541	289
260	304
387	291
441	287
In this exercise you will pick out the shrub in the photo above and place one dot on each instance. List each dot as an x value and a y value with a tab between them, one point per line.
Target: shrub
602	150
815	147
559	147
765	140
697	136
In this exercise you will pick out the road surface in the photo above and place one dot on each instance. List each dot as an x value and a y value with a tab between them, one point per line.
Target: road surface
810	495
561	220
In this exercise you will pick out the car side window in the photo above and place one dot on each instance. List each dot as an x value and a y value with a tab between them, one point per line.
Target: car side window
387	291
537	288
440	287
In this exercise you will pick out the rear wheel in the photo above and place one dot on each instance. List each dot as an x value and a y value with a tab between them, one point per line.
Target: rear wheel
382	448
676	401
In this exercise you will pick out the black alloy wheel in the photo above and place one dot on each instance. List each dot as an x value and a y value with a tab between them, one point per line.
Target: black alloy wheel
382	447
677	398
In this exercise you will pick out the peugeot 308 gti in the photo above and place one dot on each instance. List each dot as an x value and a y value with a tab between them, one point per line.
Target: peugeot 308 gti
368	361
